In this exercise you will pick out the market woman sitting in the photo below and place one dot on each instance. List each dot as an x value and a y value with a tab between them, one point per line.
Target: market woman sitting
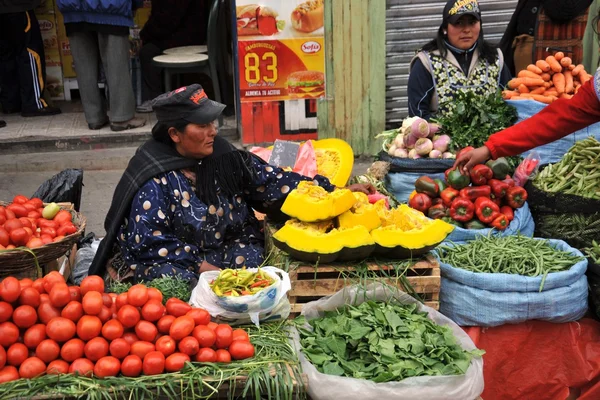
457	59
185	204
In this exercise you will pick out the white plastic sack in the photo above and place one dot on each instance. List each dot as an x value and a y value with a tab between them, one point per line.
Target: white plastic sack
329	387
258	307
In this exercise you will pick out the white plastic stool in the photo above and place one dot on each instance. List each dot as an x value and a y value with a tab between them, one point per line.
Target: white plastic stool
187	50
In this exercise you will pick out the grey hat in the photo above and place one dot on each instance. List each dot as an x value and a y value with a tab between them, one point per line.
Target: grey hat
189	103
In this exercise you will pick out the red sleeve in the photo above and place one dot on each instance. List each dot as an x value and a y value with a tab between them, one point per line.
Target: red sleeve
559	119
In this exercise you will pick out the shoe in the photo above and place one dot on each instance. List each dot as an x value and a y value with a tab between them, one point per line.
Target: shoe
41	112
97	126
145	107
131	124
2	124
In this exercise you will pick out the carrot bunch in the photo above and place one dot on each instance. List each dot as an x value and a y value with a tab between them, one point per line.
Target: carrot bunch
547	80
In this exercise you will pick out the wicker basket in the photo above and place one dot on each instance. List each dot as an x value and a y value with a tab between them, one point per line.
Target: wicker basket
25	263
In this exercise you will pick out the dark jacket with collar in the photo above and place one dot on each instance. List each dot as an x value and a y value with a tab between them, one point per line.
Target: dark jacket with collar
13	6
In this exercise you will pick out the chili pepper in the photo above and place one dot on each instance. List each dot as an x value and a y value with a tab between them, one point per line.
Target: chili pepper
441	184
452	222
462	210
500	223
509	181
499	188
260	283
420	202
426	185
516	196
436	201
508	211
468	148
480	174
457	180
474	192
486	210
448	195
475	224
437	211
499	167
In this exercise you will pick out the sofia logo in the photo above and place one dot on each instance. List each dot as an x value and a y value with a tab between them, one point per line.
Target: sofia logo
311	47
45	25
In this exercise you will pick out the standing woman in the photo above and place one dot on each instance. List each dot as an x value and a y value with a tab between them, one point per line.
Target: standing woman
457	59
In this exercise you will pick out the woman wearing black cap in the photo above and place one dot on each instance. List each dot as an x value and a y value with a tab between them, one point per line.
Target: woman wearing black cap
185	203
457	59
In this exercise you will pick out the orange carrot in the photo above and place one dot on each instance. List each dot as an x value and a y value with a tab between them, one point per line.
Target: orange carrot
559	82
559	56
572	67
565	62
554	64
578	69
566	96
547	84
515	82
543	65
538	90
551	93
546	76
528	74
569	86
584	78
509	94
534	69
523	89
543	99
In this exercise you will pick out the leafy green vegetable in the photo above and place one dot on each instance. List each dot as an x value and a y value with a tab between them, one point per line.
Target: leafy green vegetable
170	286
382	342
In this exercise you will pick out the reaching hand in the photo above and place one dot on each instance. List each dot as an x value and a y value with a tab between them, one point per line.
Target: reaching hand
365	188
469	159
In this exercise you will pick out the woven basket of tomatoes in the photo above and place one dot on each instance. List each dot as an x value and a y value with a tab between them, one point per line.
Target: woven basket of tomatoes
33	233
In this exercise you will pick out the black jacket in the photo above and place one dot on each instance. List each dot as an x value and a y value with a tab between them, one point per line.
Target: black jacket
13	6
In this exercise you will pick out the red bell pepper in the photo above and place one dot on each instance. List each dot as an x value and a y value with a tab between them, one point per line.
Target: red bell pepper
496	201
462	210
508	211
509	181
420	202
499	188
426	185
500	222
480	174
436	201
474	192
437	211
486	210
516	196
448	195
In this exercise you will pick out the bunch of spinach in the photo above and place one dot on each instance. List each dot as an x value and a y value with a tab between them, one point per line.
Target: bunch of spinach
382	342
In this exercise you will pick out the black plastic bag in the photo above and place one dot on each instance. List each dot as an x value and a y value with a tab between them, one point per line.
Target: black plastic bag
66	186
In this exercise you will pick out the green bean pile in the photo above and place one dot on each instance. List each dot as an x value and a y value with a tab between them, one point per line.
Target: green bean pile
518	255
593	252
578	172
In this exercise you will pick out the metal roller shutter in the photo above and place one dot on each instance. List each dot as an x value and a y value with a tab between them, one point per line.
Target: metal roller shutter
409	25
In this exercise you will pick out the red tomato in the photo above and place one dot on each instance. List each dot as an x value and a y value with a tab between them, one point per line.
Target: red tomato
48	350
16	354
38	285
177	307
34	336
166	345
89	327
9	334
58	239
34	214
206	354
44	223
24	316
119	348
12	224
75	293
2	219
30	207
137	295
4	237
29	297
155	294
188	345
25	283
240	334
224	336
60	295
96	348
8	373
205	336
107	366
128	315
31	368
73	311
105	314
72	350
34	243
141	348
92	283
240	350
223	356
19	236
18	209
20	199
200	316
36	202
2	357
146	331
112	330
107	300
163	324
26	222
57	367
181	327
61	329
131	366
48	231
52	279
92	303
176	361
6	311
82	366
130	337
10	215
121	300
153	310
47	311
10	289
62	216
154	363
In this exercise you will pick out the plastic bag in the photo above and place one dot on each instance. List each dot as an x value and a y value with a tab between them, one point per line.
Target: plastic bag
262	152
66	186
256	307
83	260
325	387
527	169
306	160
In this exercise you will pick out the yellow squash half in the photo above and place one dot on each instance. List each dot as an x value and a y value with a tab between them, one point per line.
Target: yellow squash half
335	160
311	203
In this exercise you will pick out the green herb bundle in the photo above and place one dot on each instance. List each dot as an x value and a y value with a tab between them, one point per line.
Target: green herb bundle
169	286
382	342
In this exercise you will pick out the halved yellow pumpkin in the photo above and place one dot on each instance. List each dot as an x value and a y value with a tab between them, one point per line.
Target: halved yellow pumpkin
335	160
362	213
311	203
